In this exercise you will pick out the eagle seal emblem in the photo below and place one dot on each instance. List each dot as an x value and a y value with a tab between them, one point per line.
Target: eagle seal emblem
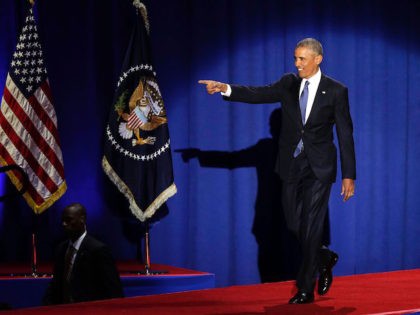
145	112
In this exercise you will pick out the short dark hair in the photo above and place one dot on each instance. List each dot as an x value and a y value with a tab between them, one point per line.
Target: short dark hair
79	208
312	44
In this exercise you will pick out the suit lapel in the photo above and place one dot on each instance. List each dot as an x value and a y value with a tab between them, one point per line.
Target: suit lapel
296	107
321	90
82	250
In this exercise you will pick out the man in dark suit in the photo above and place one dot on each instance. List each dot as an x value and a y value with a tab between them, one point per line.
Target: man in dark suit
84	269
312	104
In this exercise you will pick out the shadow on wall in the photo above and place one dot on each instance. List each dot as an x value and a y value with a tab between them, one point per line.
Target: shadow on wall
278	249
278	252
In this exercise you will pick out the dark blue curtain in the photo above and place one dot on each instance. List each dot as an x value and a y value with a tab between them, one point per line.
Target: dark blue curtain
371	46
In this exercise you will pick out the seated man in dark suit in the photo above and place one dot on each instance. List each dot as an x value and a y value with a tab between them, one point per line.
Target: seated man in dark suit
84	269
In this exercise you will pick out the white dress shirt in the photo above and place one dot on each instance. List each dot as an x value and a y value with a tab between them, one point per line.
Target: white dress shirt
312	87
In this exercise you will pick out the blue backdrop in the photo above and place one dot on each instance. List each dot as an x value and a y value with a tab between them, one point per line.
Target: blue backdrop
371	46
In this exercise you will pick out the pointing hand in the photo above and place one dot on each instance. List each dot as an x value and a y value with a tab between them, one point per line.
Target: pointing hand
214	86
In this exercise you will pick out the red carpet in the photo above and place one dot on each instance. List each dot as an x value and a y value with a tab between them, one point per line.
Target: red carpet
382	293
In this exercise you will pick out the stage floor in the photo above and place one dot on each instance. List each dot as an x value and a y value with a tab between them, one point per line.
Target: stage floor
387	293
19	289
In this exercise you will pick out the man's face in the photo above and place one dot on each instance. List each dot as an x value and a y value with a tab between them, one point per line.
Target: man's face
307	62
73	223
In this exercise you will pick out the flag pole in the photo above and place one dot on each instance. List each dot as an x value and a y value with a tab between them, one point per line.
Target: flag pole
34	252
16	146
147	250
147	261
127	156
34	262
21	191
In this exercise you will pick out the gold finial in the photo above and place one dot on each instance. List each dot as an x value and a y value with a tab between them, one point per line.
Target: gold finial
142	8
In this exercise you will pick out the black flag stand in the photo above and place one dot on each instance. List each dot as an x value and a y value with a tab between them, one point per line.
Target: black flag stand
147	263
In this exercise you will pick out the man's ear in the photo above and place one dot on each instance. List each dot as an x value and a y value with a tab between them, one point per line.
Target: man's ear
318	59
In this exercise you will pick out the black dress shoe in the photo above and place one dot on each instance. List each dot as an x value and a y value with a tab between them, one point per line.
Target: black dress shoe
302	298
325	272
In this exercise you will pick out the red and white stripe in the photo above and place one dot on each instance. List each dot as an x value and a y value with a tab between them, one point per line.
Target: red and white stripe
134	121
29	139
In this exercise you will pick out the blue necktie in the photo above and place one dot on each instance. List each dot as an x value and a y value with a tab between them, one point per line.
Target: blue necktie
303	101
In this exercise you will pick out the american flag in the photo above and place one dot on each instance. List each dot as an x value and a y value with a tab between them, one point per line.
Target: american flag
28	123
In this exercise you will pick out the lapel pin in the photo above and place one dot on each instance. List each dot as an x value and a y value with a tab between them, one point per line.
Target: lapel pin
323	92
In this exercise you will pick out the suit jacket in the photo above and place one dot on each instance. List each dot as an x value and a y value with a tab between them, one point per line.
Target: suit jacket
330	107
94	275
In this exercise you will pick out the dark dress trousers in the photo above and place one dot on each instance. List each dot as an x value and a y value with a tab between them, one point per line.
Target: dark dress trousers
94	275
307	179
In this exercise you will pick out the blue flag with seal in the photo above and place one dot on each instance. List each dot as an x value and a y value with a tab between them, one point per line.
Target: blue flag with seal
137	152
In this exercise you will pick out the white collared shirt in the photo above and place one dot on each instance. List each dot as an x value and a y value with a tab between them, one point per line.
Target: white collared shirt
312	87
76	245
228	91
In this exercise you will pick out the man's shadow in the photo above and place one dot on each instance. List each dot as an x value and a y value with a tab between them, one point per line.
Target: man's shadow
278	250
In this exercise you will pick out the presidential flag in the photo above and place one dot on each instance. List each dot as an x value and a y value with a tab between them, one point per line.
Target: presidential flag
28	124
137	155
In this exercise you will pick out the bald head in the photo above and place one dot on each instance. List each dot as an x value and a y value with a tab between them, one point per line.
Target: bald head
73	220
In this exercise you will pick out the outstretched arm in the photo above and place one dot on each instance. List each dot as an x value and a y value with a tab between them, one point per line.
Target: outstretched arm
271	93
